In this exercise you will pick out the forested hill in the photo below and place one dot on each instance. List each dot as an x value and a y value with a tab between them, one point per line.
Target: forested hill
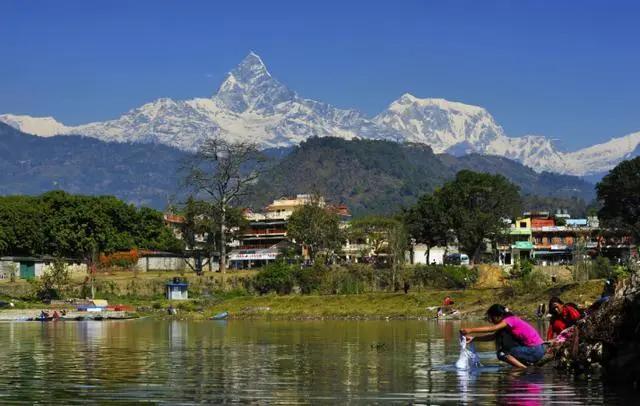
142	174
381	176
530	182
369	176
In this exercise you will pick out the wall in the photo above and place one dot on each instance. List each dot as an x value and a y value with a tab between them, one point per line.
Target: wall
535	223
40	268
172	264
5	269
161	264
420	254
71	267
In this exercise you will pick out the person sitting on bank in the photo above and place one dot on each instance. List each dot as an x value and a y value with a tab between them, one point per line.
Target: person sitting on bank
447	301
517	342
607	292
563	316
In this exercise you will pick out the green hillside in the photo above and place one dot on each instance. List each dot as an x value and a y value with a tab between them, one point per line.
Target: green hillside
379	177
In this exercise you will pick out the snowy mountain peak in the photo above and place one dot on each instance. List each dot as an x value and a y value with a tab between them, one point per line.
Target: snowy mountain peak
42	126
441	123
251	66
251	104
408	100
250	86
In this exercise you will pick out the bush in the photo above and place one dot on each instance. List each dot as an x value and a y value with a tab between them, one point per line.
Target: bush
343	281
54	283
601	268
276	277
445	276
127	259
310	278
534	282
521	268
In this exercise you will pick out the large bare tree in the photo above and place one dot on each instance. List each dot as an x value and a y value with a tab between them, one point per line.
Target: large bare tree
222	171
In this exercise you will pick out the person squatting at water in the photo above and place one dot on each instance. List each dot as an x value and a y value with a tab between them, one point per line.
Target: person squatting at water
517	342
563	316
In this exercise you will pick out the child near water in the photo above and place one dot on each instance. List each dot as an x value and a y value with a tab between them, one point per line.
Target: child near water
517	342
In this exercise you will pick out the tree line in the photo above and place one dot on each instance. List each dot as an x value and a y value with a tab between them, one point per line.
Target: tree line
472	208
60	224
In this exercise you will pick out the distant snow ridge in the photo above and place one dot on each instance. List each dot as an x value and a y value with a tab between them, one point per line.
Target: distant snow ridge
251	104
42	126
441	123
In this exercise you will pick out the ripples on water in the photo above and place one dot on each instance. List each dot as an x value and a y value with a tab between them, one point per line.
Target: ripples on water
257	362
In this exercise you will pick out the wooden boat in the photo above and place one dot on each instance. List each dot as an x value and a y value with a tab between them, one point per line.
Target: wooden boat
40	318
220	316
73	318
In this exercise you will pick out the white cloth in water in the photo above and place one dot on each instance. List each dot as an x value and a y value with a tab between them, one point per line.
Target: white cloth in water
468	358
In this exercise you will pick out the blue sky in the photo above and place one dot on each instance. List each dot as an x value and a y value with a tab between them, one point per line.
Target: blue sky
568	70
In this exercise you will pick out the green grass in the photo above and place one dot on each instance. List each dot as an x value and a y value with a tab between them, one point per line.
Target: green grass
473	302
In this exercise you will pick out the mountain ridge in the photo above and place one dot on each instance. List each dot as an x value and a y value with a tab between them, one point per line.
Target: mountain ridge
371	176
251	104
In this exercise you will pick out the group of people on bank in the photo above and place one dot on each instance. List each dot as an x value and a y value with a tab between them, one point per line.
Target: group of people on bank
518	343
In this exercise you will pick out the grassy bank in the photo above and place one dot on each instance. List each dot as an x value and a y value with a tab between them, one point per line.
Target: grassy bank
217	293
472	302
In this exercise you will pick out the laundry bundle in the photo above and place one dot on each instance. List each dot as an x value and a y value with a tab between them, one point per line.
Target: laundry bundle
468	358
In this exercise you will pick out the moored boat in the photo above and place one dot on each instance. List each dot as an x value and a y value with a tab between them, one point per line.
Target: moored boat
220	316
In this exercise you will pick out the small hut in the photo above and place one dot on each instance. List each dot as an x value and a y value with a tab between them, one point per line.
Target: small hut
177	289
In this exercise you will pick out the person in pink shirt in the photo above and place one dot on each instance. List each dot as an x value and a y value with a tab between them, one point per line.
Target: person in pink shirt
517	342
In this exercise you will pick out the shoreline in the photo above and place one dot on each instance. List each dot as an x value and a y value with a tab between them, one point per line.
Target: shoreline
417	305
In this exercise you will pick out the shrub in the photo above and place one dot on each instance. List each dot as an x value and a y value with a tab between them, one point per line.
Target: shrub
310	278
54	283
275	277
445	276
534	282
521	268
13	272
601	268
344	281
127	259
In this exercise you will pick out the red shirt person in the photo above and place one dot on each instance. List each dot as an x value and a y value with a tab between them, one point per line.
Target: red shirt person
563	316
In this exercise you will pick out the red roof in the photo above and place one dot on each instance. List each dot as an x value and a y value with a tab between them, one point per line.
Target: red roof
173	218
542	223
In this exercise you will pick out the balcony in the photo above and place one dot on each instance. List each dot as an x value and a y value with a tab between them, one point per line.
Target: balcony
269	232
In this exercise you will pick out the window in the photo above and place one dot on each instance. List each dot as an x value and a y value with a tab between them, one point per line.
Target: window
523	224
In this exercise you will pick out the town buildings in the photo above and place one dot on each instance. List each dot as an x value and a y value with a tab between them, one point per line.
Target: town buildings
266	233
556	239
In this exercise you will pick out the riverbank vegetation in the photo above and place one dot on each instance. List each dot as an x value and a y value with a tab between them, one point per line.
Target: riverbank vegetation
288	291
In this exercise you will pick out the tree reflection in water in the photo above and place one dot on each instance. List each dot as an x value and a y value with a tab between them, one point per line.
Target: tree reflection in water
187	362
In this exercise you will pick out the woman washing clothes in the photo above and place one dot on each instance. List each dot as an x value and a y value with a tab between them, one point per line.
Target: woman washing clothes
517	342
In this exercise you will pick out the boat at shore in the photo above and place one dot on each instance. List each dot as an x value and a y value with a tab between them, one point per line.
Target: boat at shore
220	316
96	317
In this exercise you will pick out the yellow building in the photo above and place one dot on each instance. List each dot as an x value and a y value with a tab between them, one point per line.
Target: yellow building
287	205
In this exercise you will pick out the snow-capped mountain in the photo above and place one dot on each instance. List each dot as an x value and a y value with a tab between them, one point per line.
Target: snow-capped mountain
602	157
42	126
251	104
441	124
461	129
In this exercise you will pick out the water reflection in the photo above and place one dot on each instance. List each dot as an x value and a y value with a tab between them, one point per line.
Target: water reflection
365	362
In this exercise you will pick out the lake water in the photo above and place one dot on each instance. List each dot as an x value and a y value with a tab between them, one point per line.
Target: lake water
260	362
